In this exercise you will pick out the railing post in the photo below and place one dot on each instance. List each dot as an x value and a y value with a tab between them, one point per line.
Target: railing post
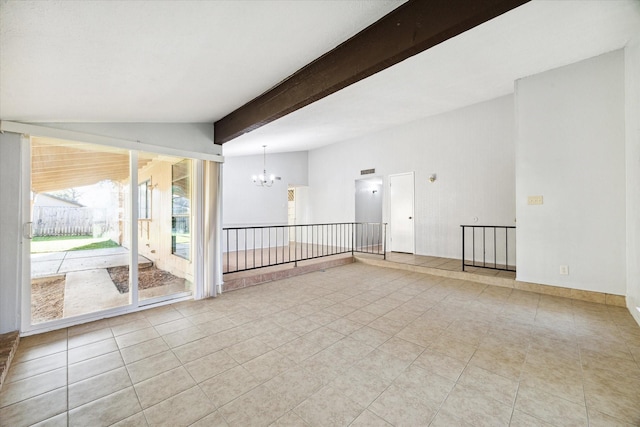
462	227
353	238
384	242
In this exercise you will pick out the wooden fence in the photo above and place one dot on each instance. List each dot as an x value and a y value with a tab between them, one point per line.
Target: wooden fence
65	221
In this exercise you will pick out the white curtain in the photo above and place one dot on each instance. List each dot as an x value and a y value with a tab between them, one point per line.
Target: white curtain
212	230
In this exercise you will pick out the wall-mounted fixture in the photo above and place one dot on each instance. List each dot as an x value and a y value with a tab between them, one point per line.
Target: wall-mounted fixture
374	191
262	180
432	177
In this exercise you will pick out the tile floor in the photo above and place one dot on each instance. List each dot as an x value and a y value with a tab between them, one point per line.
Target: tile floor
353	345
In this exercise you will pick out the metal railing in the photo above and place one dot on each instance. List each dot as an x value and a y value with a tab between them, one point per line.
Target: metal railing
248	248
494	246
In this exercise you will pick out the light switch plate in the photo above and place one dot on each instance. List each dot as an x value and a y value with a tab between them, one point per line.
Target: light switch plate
534	200
564	270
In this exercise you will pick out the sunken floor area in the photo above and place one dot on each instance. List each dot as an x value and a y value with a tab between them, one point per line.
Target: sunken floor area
353	345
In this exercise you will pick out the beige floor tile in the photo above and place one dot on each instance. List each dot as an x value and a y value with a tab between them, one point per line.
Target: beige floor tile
89	337
399	408
444	419
402	349
197	349
349	349
89	351
36	409
182	409
59	420
26	353
258	407
453	348
360	386
136	337
489	384
107	410
268	365
151	366
158	317
32	386
369	419
143	350
176	339
344	326
383	364
361	316
214	419
210	365
429	388
440	364
504	362
98	386
94	366
294	386
598	419
37	340
20	371
476	408
163	386
520	419
290	419
277	337
218	325
327	407
135	420
370	336
247	350
549	407
229	385
173	326
301	326
325	366
300	349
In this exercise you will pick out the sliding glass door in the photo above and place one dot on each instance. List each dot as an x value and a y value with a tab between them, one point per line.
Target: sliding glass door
110	229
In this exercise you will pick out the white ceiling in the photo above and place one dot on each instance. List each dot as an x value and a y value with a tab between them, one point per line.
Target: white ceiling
161	61
120	61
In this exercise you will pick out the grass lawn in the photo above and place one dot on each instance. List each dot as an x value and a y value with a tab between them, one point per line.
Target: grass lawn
70	243
96	245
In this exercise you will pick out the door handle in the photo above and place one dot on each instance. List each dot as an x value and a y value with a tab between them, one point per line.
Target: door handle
27	230
410	217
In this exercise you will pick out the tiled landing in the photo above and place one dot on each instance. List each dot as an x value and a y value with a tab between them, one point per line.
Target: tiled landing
354	345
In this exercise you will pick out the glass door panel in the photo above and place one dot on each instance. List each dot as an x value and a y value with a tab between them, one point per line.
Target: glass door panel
80	226
164	227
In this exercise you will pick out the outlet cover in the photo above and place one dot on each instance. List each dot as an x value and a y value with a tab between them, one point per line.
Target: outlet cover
534	200
564	270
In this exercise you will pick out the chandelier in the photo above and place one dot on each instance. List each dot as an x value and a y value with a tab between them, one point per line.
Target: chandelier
262	180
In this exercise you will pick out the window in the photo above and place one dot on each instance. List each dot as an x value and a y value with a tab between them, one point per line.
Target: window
144	200
181	209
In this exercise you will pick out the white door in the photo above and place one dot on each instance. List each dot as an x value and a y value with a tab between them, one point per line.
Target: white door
401	222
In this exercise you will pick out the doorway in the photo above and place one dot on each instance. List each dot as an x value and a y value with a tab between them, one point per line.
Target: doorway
368	213
401	212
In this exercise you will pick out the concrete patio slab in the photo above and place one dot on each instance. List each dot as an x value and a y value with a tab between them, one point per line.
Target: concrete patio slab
105	261
89	291
51	264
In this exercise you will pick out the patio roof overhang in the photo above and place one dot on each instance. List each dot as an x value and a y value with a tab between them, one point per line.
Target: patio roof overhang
58	164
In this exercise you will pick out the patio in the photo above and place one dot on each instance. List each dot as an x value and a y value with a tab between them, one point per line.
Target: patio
88	286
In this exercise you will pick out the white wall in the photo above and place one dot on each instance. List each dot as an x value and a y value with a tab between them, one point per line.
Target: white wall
10	228
632	107
471	150
571	150
244	203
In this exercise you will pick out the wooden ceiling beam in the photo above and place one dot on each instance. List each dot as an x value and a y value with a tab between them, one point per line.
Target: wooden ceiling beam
414	27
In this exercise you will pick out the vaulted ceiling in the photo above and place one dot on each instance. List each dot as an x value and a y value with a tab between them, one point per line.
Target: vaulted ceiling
197	61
